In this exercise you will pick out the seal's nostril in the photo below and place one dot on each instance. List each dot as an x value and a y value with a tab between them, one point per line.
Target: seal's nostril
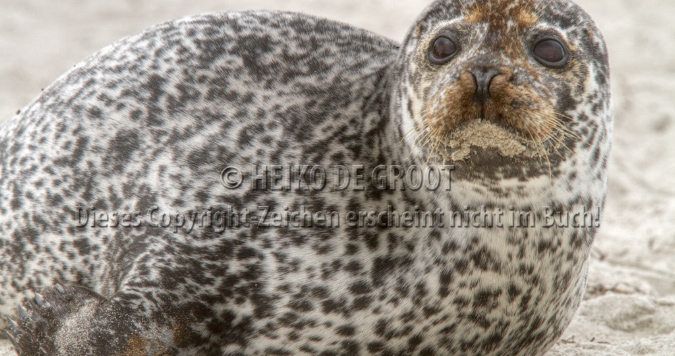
483	78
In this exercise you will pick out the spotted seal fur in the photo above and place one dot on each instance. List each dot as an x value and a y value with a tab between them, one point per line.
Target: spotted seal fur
514	94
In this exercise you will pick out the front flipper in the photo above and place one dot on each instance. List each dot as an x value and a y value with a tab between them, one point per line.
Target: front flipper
73	320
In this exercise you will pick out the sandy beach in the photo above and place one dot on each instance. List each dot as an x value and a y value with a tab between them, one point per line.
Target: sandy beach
629	308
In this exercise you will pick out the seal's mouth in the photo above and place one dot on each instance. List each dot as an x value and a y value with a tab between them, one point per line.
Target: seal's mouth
493	113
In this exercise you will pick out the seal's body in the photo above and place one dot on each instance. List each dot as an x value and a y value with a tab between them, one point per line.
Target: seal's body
113	182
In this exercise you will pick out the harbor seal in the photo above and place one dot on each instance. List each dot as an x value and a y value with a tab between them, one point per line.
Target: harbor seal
116	181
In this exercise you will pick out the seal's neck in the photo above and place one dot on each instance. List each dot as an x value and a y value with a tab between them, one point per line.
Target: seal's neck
381	125
395	134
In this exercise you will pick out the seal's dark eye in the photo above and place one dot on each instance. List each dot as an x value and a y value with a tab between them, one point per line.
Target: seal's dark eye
442	50
550	53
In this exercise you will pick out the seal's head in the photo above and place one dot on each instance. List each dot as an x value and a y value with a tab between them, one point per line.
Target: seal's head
505	88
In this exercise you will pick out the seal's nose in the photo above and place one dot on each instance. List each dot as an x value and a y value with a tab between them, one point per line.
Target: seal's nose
483	77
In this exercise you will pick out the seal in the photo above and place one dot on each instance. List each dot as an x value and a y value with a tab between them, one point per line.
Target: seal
117	181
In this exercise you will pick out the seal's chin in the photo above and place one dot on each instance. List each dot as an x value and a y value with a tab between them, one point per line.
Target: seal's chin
487	149
488	135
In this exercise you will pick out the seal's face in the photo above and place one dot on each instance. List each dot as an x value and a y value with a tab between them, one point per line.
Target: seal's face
505	84
496	78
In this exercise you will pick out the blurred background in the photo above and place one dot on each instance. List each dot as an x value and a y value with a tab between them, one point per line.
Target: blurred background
630	303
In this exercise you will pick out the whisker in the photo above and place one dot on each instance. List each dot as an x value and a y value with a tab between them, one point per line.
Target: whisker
420	135
406	134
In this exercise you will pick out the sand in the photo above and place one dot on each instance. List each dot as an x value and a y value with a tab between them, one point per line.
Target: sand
629	308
